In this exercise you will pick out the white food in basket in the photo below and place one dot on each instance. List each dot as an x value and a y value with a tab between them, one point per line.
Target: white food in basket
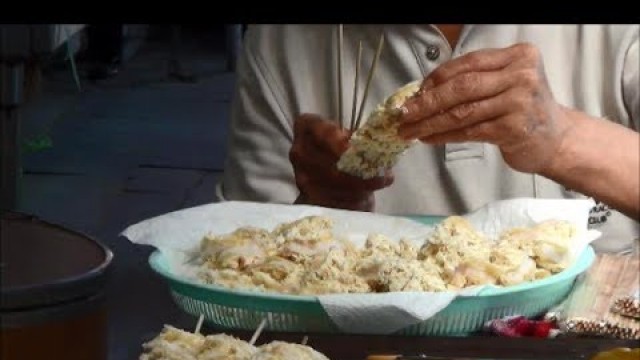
376	146
236	250
332	273
455	256
546	243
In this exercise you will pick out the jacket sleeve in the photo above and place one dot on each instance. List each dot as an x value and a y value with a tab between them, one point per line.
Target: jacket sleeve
257	166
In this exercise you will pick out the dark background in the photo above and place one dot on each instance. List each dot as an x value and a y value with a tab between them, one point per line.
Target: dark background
137	143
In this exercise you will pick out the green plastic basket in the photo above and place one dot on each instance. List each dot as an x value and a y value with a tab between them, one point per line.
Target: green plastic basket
244	309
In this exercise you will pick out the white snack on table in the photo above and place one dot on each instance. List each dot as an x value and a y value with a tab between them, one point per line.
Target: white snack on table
279	350
176	344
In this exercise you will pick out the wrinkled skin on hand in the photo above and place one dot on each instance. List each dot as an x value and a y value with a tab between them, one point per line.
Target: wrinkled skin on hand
498	96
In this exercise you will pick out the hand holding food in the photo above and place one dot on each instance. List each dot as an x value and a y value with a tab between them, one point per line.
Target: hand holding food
376	147
317	146
498	96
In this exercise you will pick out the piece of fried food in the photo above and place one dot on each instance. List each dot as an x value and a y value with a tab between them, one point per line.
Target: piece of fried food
226	347
376	146
512	266
241	248
278	274
332	273
230	278
305	237
173	344
548	243
176	344
378	245
397	274
453	243
279	350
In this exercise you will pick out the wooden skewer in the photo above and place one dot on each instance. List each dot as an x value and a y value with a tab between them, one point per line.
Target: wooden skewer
340	46
199	324
256	334
354	106
371	72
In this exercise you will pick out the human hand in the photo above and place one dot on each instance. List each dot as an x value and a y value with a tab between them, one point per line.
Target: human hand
498	96
317	147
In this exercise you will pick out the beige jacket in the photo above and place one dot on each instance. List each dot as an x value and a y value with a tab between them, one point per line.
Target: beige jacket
287	70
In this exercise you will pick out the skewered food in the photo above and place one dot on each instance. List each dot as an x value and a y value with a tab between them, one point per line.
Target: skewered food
176	344
376	146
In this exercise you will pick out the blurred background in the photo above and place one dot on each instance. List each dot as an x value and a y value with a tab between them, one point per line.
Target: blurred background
107	125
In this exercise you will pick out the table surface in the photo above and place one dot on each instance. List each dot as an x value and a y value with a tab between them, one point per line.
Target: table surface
358	347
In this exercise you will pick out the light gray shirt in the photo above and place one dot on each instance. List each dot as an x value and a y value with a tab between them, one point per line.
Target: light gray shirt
286	70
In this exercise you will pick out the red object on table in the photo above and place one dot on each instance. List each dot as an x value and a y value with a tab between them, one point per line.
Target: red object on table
520	326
